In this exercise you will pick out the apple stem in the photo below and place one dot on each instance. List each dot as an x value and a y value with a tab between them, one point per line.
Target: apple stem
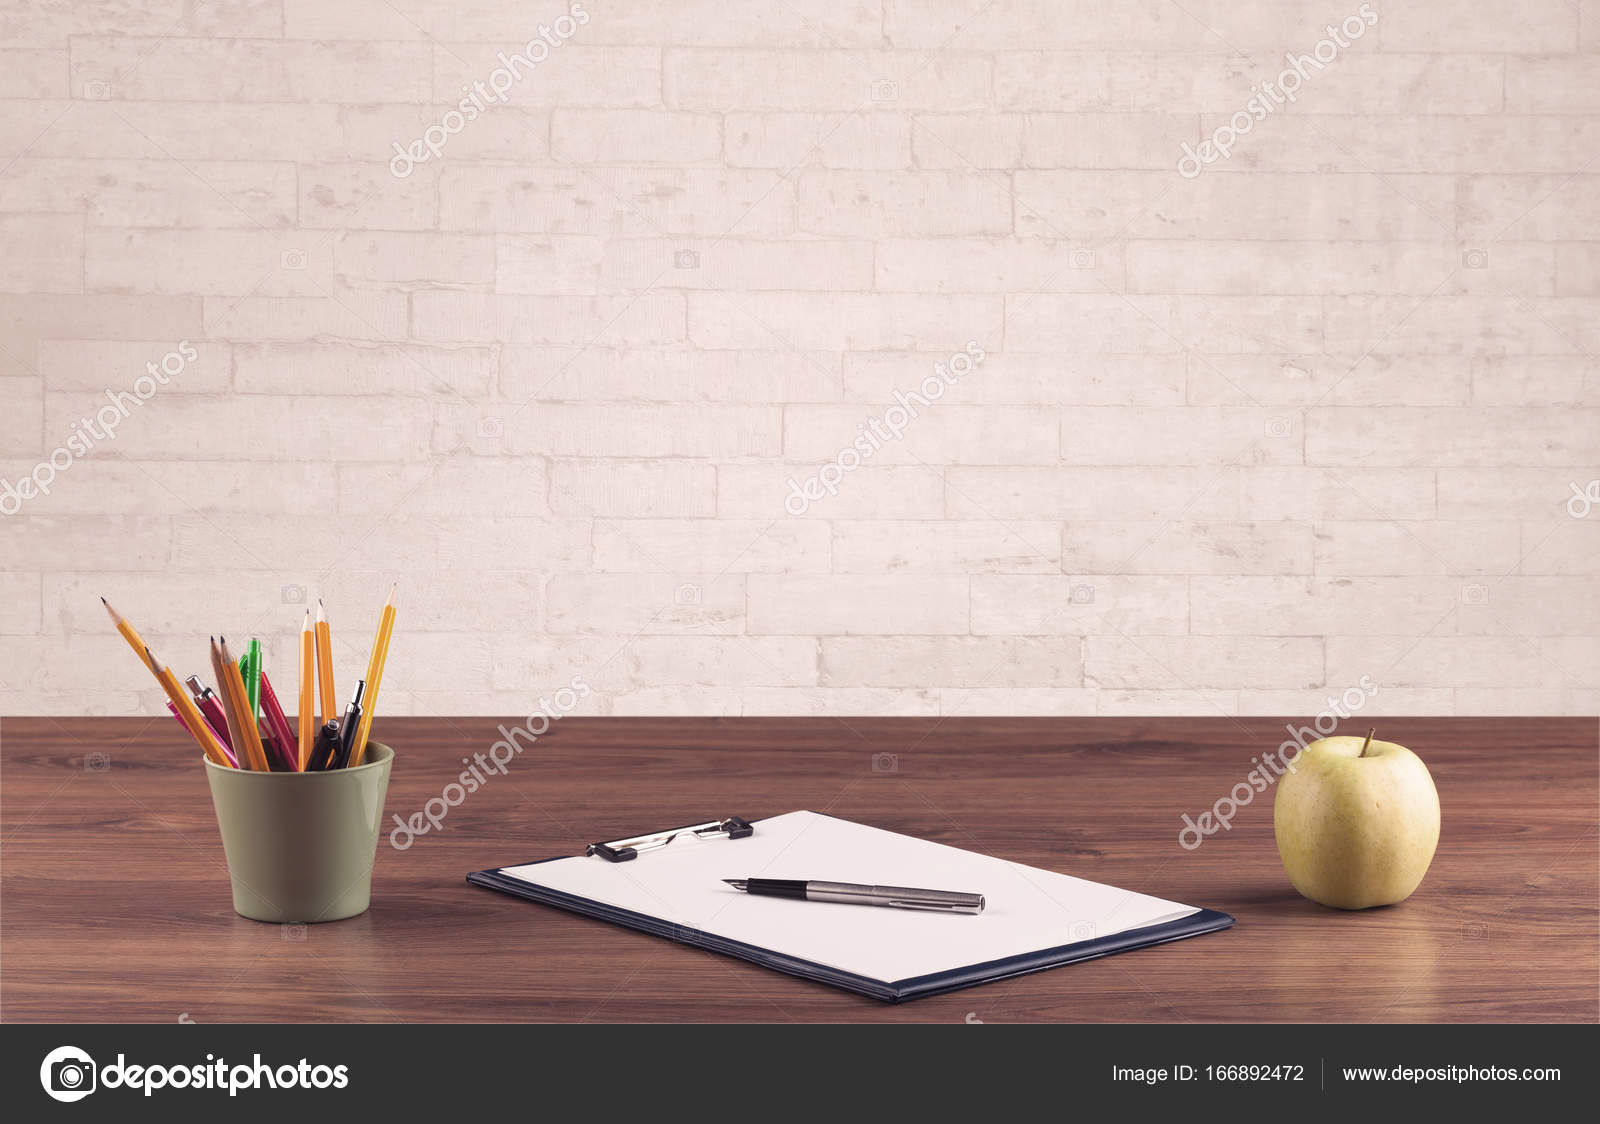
1368	742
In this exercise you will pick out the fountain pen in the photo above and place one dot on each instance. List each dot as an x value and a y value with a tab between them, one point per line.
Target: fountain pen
850	893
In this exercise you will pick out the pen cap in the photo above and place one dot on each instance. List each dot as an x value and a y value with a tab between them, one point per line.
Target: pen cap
301	846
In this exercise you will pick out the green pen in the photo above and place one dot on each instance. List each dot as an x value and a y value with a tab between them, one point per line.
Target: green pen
250	669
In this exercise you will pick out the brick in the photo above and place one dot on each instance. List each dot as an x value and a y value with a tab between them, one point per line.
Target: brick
840	321
578	73
627	201
857	605
617	375
174	68
645	319
1015	378
1079	605
654	604
41	254
1201	662
1183	547
154	192
1397	548
339	369
903	203
633	489
996	265
1180	435
27	319
736	264
366	197
629	430
354	314
826	80
1103	493
712	546
947	547
20	603
100	365
724	662
207	262
761	491
1468	436
560	263
784	141
951	661
634	136
936	435
390	259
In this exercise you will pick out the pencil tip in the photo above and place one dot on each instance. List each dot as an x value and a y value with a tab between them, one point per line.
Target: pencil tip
103	601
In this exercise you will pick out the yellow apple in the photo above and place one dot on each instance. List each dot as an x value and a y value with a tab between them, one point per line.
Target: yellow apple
1357	822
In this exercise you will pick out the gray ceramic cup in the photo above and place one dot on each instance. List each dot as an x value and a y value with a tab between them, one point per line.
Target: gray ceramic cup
300	846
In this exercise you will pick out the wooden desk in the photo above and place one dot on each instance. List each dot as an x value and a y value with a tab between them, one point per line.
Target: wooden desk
116	901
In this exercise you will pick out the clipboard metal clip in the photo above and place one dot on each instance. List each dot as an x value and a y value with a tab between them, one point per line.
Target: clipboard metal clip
621	850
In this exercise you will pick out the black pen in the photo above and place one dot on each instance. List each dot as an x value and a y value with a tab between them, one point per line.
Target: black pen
327	748
852	893
348	727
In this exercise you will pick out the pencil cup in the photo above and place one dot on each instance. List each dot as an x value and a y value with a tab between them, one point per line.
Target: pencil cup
300	846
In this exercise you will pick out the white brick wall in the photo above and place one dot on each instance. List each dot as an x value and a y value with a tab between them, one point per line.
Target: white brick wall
1236	441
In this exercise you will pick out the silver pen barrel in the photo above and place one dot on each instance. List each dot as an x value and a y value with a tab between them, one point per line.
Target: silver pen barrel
896	897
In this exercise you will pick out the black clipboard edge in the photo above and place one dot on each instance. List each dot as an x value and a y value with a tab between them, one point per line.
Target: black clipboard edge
1194	925
916	987
682	934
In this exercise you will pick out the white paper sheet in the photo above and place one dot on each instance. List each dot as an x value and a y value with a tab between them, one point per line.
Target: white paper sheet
1027	910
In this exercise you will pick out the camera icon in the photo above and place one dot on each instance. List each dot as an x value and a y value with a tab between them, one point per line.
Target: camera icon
1475	931
292	594
96	763
68	1074
885	89
1278	427
292	259
1084	259
292	932
885	762
1082	931
96	90
686	594
1081	595
686	259
491	428
1474	594
1475	259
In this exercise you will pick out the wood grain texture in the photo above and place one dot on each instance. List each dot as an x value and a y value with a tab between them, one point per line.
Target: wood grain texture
116	900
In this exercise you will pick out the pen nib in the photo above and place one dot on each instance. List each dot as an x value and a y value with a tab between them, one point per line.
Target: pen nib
737	883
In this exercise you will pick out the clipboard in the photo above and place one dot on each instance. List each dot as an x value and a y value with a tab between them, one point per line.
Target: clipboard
668	884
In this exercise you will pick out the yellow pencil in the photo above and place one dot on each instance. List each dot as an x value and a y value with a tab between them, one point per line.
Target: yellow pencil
308	675
129	633
380	653
187	710
251	737
225	697
330	701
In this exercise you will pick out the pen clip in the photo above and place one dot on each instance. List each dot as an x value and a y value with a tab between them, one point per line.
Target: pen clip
622	850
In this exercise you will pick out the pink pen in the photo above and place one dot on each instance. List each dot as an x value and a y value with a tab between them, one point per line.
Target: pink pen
206	702
273	719
224	741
